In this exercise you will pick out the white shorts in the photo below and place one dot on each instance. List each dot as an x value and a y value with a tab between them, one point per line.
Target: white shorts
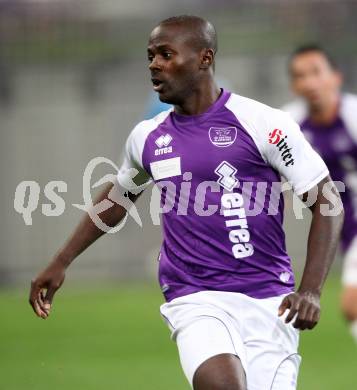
210	323
349	270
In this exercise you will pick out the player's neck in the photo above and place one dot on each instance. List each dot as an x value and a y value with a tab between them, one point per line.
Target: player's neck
200	100
326	114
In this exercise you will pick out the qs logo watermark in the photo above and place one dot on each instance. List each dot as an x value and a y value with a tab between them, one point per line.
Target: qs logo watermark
27	196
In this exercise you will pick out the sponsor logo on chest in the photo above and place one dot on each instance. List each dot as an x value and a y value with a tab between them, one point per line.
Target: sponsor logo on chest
239	234
233	206
277	138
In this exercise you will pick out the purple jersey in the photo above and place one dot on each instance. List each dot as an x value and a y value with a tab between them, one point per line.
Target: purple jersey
219	173
337	145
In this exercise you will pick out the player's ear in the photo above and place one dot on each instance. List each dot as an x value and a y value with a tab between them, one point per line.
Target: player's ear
293	84
339	78
207	58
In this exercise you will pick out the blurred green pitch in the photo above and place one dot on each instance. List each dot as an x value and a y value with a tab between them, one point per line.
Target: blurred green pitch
114	338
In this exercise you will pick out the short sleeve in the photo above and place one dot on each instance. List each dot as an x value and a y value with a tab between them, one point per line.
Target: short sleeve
287	150
131	174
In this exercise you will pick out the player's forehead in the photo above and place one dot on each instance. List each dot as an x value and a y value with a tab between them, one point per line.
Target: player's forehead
309	59
173	36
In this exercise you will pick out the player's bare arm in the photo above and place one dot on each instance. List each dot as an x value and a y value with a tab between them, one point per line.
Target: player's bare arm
45	285
304	305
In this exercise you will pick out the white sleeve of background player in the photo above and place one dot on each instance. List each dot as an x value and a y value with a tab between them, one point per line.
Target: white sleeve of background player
286	149
297	109
348	114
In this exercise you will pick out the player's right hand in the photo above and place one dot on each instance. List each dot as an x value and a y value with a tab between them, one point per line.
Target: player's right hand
44	287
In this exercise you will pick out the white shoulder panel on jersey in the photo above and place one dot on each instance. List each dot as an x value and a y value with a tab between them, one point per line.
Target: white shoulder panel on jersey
348	113
131	174
297	109
280	142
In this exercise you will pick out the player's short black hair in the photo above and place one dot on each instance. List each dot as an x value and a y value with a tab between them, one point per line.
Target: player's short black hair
203	31
314	47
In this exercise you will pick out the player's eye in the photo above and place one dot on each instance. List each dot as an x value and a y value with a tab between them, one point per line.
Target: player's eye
150	58
298	76
167	54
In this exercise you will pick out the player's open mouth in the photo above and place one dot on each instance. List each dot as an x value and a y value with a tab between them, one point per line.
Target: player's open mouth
158	84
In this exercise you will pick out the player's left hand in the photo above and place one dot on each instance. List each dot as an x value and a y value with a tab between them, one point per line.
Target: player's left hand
305	306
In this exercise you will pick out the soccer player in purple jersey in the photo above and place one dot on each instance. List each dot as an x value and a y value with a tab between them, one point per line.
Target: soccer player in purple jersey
223	267
328	118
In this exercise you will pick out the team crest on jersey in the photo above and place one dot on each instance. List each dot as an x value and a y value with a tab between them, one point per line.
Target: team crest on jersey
163	143
222	136
279	139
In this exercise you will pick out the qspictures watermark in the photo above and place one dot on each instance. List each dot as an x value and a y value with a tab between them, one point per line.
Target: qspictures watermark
167	196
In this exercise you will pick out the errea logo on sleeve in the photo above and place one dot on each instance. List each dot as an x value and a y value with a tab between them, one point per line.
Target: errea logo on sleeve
277	138
163	143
